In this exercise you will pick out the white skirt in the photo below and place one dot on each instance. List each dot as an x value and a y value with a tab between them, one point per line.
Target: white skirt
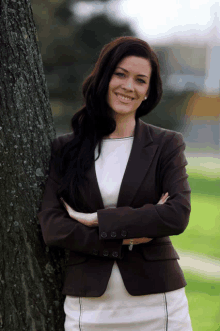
117	310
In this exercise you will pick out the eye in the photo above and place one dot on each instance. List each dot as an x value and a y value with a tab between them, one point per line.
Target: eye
141	81
120	74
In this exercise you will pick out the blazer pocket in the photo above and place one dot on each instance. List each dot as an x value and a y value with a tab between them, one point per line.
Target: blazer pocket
159	252
76	258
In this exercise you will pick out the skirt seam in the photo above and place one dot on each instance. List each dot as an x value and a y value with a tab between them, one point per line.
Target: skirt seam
80	314
166	328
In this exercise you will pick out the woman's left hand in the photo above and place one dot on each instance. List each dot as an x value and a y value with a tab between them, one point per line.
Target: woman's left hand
87	219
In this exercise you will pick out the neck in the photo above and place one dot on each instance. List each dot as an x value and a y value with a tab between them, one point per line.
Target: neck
124	128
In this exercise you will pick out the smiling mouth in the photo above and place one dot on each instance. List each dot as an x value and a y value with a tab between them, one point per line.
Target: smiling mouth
124	98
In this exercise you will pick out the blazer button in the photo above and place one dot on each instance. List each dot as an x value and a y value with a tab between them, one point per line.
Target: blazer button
115	254
123	233
103	234
113	234
95	252
105	253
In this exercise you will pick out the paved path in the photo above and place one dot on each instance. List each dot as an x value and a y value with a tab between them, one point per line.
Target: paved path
208	164
202	155
199	264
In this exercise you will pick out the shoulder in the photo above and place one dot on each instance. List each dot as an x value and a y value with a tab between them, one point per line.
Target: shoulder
171	145
163	136
158	132
60	141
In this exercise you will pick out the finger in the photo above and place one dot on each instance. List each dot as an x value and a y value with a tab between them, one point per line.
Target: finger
163	199
165	196
67	206
64	203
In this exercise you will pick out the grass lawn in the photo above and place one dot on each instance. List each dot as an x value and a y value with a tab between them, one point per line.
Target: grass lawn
203	236
204	302
203	232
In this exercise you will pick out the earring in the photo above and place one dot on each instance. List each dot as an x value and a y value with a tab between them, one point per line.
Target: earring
145	98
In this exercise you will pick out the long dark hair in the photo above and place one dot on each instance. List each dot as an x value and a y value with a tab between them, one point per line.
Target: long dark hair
95	119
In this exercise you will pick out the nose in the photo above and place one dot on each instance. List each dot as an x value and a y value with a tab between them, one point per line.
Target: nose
129	85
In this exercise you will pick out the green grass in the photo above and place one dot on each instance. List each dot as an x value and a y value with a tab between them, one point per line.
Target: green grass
203	232
204	183
204	302
203	236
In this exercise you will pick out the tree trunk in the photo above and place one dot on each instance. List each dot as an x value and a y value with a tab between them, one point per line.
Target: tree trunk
30	273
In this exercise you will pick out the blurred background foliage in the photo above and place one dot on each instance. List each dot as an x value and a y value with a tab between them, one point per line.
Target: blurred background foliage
70	48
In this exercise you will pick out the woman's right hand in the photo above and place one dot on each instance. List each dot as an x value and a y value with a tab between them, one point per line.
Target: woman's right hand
144	240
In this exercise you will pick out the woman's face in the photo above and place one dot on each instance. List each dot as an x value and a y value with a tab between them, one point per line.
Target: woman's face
129	85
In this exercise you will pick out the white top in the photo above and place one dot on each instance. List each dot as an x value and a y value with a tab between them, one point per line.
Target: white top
110	167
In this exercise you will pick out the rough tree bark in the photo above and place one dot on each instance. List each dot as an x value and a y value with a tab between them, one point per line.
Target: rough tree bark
30	273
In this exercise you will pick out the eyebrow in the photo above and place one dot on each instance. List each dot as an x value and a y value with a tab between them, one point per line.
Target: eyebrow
127	71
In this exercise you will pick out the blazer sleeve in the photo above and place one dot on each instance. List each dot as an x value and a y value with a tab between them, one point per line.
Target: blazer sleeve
154	221
60	230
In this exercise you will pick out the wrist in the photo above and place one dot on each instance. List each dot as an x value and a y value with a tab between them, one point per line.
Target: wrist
95	219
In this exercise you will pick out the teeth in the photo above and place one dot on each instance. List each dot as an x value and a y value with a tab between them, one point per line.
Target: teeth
124	98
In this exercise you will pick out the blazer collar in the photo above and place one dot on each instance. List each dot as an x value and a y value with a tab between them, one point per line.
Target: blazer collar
141	156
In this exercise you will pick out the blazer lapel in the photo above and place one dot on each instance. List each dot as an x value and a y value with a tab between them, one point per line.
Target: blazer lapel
141	156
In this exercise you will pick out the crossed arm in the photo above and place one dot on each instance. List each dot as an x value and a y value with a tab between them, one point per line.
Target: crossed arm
79	232
91	220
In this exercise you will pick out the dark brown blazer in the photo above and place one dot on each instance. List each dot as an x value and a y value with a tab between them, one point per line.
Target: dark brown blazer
156	165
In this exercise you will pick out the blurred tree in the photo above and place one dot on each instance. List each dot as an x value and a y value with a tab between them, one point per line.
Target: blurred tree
70	48
30	273
77	55
52	22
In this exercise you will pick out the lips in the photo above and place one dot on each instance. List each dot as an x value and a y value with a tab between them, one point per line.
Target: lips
122	97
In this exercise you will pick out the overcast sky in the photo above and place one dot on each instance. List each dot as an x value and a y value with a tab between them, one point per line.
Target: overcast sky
160	20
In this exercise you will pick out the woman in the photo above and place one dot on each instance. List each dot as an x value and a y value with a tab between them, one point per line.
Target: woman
101	201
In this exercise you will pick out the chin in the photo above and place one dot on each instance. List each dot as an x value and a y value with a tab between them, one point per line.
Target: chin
123	109
124	112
